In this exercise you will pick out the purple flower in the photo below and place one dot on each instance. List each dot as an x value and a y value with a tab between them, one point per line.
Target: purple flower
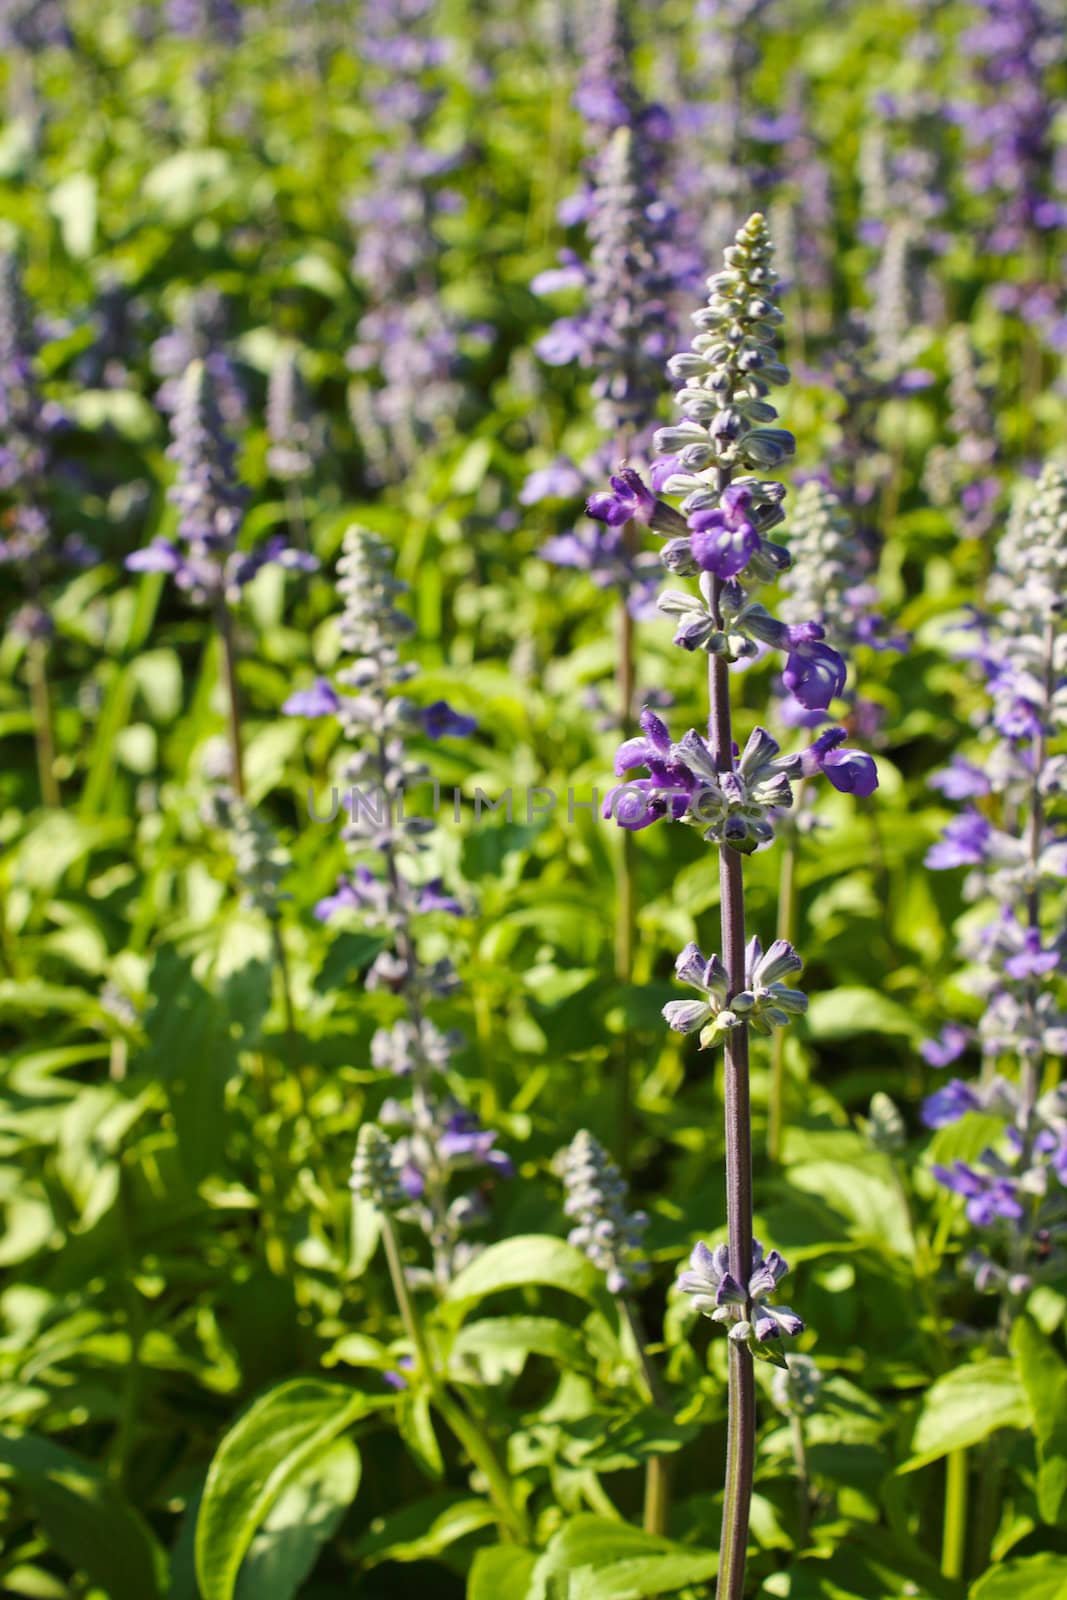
961	780
560	481
466	1143
161	555
321	700
850	771
718	1294
949	1104
989	1197
949	1045
664	793
814	673
1031	960
724	540
965	843
433	897
628	500
440	721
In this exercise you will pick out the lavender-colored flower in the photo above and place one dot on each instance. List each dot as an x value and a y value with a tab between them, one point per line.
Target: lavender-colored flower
290	425
440	721
949	1045
437	1139
961	475
200	334
745	1309
321	700
34	25
30	543
604	1228
210	22
207	564
849	771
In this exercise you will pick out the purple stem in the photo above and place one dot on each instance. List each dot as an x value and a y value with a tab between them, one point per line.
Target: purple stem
741	1428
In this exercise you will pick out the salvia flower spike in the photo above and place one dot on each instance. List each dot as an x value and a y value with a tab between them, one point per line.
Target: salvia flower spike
718	458
436	1139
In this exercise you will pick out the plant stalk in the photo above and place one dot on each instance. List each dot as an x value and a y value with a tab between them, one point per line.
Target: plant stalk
464	1427
741	1430
41	707
954	1536
224	621
657	1468
625	890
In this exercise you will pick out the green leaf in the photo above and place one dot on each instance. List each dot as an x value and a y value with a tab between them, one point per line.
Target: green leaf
1041	1577
497	1347
349	955
1044	1378
965	1406
418	1532
303	1518
73	204
845	1013
415	1422
86	1519
273	1445
607	1560
531	1258
501	1572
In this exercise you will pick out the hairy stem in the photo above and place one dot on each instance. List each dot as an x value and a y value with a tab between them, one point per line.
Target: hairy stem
785	930
625	890
741	1431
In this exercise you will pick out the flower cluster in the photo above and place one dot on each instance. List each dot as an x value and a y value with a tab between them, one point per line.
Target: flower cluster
796	1386
374	1177
744	1308
435	1137
33	25
720	535
407	350
29	426
1017	1186
1011	837
291	425
623	329
211	22
1009	123
764	1003
200	333
1017	164
207	564
596	1199
259	860
961	474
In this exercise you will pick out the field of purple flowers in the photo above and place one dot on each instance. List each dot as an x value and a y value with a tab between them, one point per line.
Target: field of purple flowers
533	843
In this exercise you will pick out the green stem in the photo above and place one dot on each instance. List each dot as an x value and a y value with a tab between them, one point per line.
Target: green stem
464	1427
41	707
224	621
954	1540
657	1469
800	1456
986	1506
